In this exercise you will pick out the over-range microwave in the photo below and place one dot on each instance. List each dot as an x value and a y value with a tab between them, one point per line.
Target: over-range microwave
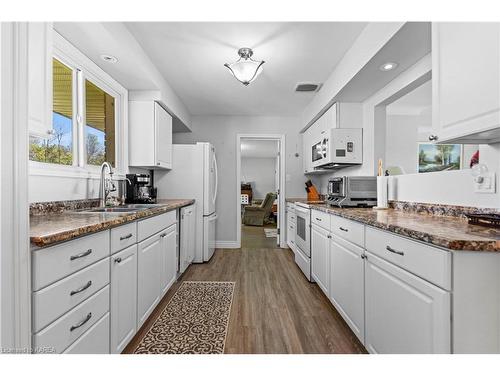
340	146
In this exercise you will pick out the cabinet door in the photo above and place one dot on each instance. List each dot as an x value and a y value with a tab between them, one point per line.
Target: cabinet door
163	143
320	257
191	234
148	276
186	243
40	78
123	298
465	79
404	314
347	279
168	258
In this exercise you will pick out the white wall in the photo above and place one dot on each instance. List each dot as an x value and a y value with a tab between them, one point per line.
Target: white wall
221	131
260	173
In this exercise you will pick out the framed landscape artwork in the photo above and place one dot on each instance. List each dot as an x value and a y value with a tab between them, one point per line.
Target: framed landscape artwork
434	158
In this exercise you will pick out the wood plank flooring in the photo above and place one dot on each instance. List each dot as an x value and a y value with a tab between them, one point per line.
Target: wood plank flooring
275	309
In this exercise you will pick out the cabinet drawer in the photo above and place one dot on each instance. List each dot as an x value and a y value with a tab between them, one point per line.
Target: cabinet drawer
65	330
123	237
428	262
94	341
54	263
348	230
290	207
290	217
53	301
147	227
320	218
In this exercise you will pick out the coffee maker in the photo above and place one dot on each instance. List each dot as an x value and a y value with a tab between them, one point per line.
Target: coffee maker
140	188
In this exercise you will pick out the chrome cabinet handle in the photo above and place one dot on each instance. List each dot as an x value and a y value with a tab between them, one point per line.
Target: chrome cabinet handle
363	256
126	237
81	255
79	290
388	248
318	219
87	318
433	137
329	236
118	260
163	235
343	229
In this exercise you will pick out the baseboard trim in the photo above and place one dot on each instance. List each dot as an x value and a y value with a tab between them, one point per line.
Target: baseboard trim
226	245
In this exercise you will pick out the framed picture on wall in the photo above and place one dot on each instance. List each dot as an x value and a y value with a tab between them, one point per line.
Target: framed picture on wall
434	158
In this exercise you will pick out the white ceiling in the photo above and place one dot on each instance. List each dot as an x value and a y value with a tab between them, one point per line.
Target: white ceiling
410	44
190	55
259	148
413	103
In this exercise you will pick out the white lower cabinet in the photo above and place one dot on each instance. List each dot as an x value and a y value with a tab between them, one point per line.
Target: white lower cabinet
186	243
94	341
347	283
404	313
320	257
148	276
123	304
168	258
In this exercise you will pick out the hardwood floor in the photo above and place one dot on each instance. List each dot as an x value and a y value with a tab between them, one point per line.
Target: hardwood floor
275	309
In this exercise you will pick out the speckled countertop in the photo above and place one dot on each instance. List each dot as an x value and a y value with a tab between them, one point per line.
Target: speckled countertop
303	200
52	228
453	233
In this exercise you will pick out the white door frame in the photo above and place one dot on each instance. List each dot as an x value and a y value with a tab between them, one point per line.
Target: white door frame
15	273
281	198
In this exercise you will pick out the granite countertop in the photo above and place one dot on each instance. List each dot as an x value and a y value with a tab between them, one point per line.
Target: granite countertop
453	233
49	229
303	200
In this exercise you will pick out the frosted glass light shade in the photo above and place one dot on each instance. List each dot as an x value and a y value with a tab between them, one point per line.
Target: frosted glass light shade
245	69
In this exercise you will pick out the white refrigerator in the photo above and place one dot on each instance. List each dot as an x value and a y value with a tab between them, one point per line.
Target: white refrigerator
194	175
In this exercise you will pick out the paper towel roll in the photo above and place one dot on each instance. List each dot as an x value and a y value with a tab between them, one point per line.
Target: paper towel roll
382	192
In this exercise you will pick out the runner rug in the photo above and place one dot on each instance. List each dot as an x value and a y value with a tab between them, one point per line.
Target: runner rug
195	320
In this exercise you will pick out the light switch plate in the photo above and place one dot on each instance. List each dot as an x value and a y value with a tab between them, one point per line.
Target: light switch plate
487	186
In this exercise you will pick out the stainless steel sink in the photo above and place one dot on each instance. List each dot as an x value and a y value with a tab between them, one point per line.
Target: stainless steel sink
112	209
121	209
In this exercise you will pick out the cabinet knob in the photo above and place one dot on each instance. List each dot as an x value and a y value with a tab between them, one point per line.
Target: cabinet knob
433	137
118	260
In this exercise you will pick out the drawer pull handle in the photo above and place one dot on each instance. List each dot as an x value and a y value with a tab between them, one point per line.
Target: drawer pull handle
81	255
87	318
318	219
79	290
163	235
118	260
343	229
126	237
329	236
363	256
388	248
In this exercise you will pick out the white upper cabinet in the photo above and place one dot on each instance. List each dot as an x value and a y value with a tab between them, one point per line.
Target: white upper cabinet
150	135
466	82
40	78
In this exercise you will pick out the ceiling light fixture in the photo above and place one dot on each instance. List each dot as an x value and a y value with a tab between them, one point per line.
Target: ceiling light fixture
388	66
245	69
109	58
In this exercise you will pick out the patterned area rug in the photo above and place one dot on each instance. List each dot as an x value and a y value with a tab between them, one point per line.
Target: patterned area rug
194	321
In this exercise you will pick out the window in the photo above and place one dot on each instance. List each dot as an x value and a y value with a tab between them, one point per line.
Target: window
58	147
89	108
100	125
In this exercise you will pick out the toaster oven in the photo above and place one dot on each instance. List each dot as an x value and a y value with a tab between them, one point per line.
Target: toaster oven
352	191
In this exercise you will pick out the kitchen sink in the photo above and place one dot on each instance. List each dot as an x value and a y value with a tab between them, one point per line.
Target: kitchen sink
120	209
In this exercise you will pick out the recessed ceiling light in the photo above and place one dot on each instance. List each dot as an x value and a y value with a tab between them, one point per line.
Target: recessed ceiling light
109	58
388	66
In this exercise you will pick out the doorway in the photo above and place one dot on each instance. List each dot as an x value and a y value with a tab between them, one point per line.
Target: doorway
260	190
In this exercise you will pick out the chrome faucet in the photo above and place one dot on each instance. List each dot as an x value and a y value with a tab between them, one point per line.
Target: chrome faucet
106	186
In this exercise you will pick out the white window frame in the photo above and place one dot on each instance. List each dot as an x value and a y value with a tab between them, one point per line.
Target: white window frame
85	69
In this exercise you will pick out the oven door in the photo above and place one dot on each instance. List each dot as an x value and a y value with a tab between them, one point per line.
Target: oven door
303	230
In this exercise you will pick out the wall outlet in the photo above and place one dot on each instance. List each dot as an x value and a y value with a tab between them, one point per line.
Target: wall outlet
488	185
